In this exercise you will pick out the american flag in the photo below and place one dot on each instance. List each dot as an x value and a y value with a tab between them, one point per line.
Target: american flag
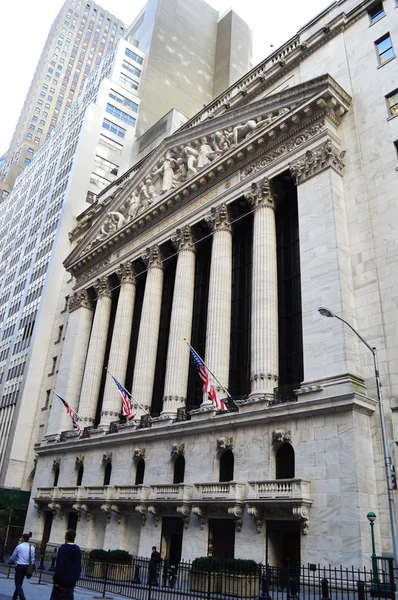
126	403
207	387
72	415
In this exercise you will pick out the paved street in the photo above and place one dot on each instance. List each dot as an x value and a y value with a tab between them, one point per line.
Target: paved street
33	591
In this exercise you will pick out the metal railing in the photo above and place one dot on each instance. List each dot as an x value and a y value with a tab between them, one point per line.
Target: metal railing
211	579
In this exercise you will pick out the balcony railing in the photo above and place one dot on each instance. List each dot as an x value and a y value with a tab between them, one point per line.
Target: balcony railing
279	489
131	493
230	491
177	492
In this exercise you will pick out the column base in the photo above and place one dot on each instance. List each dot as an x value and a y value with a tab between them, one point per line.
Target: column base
254	402
337	385
162	421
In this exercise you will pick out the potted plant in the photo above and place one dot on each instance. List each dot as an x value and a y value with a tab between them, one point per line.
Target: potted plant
206	572
240	578
96	563
120	565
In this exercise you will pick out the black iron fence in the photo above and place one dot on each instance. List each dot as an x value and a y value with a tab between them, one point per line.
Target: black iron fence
142	580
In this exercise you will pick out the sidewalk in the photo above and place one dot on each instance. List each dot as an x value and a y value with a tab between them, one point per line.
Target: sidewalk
33	591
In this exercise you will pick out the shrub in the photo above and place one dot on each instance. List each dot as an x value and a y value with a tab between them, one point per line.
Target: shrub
120	557
235	565
98	555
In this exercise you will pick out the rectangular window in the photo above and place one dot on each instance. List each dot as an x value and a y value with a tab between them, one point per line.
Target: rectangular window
40	102
134	56
123	100
29	136
376	12
384	48
108	143
120	114
37	140
34	119
113	128
129	67
392	100
98	180
27	161
30	151
32	127
42	122
106	165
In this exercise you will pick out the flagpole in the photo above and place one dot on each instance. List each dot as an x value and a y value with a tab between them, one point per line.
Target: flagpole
211	373
131	396
78	416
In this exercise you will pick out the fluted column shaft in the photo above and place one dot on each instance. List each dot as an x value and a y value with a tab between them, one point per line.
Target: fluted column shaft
120	346
218	330
177	366
71	367
96	352
264	318
145	362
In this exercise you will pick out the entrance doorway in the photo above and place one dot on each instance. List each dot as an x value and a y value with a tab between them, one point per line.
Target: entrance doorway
72	521
283	543
222	538
172	528
48	521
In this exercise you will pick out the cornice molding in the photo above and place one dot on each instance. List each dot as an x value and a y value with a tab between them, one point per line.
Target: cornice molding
317	160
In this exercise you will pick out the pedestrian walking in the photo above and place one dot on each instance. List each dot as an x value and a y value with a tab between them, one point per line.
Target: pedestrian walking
154	563
67	568
23	556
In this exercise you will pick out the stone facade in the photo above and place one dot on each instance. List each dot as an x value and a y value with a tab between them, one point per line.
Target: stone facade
293	472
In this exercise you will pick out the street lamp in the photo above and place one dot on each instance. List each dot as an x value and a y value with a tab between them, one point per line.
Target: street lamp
371	517
326	312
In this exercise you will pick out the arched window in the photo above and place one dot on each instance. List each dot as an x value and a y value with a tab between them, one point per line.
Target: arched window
140	472
284	462
179	469
80	475
227	466
56	476
107	474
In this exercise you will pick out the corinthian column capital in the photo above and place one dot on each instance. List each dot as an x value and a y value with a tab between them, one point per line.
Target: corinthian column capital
184	239
101	287
126	273
218	219
78	300
153	257
260	195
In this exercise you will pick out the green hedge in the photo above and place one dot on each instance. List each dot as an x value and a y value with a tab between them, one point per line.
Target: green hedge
120	557
236	565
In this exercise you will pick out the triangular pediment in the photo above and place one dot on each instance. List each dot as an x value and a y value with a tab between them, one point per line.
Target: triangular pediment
194	157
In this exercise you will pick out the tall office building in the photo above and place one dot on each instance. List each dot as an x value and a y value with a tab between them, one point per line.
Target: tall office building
80	36
87	151
276	198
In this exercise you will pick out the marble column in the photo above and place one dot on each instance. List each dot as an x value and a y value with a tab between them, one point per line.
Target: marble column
145	361
218	331
264	319
71	367
96	352
177	366
119	352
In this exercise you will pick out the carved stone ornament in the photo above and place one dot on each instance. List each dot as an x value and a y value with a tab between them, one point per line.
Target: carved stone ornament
218	220
315	161
93	271
281	436
139	453
142	509
126	273
106	458
101	287
184	239
236	511
79	300
225	443
153	257
177	449
256	513
154	511
39	509
106	508
303	515
282	150
79	460
56	464
259	194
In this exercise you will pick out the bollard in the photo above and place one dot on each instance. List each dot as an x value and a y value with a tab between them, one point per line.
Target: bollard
361	590
325	589
293	585
53	560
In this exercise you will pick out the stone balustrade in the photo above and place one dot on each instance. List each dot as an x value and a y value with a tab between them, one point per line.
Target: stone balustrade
230	491
279	489
177	492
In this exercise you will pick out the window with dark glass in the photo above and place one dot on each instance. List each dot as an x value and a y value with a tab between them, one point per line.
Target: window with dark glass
392	100
107	474
376	12
284	462
140	472
227	466
179	469
384	48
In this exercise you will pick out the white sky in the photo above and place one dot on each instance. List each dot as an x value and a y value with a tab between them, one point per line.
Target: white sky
25	24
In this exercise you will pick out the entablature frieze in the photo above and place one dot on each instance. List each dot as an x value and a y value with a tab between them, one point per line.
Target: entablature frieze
260	140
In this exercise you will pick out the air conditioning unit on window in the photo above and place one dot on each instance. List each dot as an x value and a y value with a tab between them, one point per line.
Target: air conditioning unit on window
114	171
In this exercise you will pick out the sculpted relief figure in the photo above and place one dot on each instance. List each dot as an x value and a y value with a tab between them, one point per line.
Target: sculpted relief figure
147	193
180	174
113	222
241	132
205	154
167	172
133	204
223	141
191	155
